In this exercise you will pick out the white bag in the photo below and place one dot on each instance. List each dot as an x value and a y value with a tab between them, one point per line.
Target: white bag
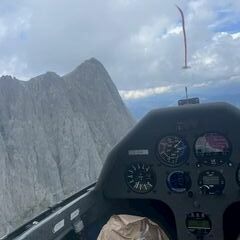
128	227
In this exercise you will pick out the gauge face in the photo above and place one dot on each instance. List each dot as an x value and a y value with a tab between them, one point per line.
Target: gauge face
173	151
211	182
140	177
212	149
179	181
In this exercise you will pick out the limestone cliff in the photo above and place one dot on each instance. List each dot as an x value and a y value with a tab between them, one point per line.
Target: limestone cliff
55	133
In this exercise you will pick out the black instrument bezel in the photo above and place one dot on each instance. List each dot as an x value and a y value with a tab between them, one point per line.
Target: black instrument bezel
224	159
218	188
185	157
152	173
189	182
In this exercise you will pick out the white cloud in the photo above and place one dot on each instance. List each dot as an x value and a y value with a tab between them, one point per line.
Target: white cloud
13	64
236	36
139	42
142	93
173	31
202	85
219	59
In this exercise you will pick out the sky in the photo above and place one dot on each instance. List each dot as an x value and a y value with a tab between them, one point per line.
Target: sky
139	42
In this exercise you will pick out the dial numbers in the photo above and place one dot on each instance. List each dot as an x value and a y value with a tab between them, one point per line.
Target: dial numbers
173	151
140	177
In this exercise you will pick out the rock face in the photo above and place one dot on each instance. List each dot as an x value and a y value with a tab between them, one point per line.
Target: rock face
55	133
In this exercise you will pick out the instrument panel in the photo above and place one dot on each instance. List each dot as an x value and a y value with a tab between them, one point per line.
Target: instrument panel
210	149
186	157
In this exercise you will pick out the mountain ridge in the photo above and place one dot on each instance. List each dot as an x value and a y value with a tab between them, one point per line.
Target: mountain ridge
55	133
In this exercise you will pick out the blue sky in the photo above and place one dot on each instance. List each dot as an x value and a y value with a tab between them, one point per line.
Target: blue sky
229	21
139	42
231	27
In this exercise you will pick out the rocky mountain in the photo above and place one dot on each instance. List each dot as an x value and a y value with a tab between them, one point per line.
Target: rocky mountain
55	133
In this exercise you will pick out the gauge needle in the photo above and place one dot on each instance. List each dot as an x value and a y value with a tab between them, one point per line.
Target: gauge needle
182	148
177	144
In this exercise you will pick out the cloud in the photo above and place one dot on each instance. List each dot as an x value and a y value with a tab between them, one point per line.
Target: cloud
139	42
142	93
219	59
236	35
13	64
180	88
148	92
173	31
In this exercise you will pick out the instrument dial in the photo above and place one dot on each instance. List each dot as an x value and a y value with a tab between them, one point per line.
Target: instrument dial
212	149
140	177
179	181
173	151
211	182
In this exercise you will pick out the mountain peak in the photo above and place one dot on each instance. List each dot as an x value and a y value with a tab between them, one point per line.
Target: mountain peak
42	126
92	62
46	76
50	74
91	67
6	77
